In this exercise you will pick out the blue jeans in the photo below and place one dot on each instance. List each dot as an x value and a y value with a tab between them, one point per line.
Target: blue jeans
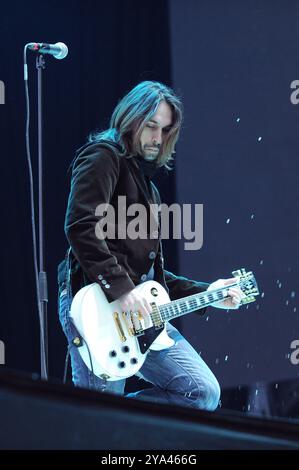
178	374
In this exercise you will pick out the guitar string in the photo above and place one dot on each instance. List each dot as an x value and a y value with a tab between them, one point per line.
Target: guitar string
191	303
195	301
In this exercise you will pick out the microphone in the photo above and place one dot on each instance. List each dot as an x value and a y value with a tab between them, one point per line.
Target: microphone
58	50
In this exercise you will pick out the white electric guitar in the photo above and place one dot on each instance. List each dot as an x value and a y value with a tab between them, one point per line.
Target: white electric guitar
114	346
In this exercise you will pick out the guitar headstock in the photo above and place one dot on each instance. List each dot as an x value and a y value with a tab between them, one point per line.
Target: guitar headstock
247	284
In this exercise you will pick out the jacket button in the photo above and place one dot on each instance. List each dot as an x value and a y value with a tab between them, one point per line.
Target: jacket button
104	282
100	277
152	255
143	277
107	286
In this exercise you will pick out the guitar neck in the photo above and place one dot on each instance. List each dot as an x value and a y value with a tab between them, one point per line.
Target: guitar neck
194	302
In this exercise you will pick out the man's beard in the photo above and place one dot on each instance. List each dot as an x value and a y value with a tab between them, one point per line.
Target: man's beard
150	155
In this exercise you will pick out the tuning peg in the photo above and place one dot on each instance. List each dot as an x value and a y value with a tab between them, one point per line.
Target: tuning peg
236	273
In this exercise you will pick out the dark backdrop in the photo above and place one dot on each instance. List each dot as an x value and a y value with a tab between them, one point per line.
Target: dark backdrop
234	62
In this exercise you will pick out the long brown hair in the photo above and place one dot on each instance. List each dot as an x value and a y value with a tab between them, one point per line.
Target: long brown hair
133	112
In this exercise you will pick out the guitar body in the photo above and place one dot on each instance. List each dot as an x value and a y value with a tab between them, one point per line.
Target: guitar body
114	345
109	347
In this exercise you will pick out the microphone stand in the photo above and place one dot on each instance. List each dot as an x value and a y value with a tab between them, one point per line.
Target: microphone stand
42	276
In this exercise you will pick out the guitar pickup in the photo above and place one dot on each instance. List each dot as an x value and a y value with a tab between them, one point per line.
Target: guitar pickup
156	317
137	319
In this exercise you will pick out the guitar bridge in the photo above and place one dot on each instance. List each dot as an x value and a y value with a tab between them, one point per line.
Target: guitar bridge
119	327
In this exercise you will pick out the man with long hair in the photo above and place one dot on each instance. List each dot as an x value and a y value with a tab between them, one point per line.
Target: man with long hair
121	161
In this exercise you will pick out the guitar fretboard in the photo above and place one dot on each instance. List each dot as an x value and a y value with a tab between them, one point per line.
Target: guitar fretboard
194	302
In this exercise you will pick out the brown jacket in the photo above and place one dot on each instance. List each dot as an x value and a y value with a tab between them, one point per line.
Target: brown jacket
100	175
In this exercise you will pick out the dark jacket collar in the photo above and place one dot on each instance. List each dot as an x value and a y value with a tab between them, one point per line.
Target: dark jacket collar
149	168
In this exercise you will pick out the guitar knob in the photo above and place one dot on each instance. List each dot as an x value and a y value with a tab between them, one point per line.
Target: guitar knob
134	360
154	292
121	364
125	349
112	353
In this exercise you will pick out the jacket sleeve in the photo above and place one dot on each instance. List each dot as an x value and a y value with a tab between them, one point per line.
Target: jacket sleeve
94	179
180	287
